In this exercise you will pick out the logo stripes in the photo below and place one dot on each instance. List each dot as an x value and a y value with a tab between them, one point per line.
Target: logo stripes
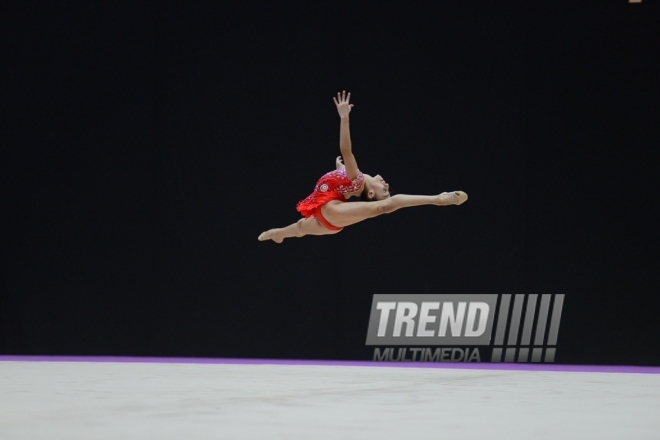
529	304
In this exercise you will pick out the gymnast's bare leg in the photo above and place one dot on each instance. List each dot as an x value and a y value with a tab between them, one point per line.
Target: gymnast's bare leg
304	226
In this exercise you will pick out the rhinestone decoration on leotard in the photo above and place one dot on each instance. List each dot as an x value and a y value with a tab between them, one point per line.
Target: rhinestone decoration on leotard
331	186
354	184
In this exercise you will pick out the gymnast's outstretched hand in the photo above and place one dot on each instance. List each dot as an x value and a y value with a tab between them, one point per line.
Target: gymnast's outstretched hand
342	103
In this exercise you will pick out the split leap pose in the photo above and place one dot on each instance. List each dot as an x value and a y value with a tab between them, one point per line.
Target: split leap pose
325	211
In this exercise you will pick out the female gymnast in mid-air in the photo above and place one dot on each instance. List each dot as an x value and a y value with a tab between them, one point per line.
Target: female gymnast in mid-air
325	211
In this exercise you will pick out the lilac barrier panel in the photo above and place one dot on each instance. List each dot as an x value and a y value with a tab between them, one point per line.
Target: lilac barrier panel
231	361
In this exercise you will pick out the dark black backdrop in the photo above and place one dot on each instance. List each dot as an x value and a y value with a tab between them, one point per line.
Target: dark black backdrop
147	144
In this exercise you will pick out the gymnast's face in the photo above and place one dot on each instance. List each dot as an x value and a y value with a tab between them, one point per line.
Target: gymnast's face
377	187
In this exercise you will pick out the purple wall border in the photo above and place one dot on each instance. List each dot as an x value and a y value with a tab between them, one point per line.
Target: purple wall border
447	365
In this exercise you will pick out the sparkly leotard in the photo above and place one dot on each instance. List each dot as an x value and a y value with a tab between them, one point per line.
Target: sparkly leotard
332	186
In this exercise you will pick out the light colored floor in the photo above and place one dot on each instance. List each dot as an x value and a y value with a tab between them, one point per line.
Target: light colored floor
106	400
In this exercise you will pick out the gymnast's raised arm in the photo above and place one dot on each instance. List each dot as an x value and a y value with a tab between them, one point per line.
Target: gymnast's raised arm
344	108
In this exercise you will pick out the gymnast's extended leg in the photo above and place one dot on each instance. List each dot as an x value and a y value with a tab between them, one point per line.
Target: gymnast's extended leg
304	226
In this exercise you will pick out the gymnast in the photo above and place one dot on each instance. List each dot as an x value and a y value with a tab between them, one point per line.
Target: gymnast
325	211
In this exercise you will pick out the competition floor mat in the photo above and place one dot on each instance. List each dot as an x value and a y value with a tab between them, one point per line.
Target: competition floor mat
168	398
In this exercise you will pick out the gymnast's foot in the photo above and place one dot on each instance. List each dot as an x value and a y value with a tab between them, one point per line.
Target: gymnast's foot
453	198
272	234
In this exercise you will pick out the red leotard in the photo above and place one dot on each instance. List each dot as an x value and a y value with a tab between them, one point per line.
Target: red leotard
332	186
